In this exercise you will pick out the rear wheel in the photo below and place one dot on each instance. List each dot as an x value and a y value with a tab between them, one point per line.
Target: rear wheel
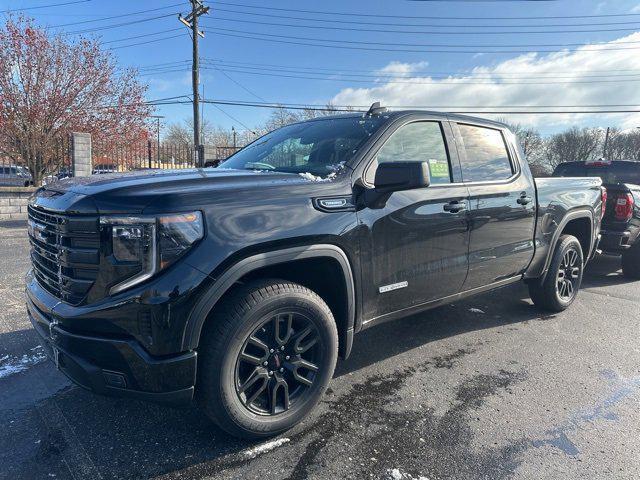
560	287
631	262
267	358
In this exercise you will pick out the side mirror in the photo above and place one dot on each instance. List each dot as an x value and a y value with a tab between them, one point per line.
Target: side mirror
398	176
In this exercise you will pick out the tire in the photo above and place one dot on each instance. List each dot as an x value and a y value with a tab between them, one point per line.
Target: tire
266	321
631	262
564	277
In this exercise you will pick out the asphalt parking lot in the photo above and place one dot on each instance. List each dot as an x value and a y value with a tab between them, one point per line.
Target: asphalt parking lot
486	388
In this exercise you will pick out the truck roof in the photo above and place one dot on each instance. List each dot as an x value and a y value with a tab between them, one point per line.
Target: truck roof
393	114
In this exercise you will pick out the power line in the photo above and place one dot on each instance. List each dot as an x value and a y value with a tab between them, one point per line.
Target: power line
431	17
252	36
44	6
431	106
116	16
449	27
162	72
493	112
377	73
146	42
437	82
238	83
386	30
156	65
427	25
142	36
122	24
234	118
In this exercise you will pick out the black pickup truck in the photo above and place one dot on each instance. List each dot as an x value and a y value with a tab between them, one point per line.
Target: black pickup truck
621	223
240	285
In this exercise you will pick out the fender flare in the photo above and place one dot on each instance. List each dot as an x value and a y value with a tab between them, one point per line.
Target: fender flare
572	215
195	322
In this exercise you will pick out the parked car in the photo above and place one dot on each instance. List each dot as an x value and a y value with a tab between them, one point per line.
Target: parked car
244	283
621	223
15	176
63	172
104	169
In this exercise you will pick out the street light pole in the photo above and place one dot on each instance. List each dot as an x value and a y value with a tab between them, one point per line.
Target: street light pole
157	117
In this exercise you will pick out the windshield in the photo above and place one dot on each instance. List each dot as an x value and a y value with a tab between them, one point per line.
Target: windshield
318	147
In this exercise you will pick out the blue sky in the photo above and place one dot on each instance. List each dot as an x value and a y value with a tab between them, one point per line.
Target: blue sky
387	74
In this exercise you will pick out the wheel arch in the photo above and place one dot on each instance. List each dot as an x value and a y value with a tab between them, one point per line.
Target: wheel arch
578	223
270	262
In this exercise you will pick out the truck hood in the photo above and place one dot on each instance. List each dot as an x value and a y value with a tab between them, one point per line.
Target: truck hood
134	191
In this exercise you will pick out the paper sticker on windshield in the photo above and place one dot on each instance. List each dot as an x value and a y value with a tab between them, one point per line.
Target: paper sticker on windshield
438	168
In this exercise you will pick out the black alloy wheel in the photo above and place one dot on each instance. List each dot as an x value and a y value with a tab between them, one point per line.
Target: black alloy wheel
559	288
266	356
569	273
278	363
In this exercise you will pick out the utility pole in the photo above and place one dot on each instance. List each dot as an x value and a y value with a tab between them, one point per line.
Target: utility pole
191	22
606	144
233	130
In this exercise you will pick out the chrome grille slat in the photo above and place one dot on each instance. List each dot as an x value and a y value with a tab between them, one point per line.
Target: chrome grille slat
64	252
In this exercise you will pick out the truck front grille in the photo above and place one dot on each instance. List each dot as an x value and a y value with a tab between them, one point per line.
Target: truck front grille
64	252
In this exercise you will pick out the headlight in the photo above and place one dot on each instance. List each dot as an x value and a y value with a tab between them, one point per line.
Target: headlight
142	246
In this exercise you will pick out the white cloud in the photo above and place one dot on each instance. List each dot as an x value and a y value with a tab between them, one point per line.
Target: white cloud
497	85
636	9
402	69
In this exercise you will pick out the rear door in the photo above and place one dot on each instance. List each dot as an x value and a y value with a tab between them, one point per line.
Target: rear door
502	204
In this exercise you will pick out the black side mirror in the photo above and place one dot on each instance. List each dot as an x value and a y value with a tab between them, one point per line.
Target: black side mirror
398	176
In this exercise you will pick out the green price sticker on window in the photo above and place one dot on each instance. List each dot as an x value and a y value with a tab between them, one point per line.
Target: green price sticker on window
438	168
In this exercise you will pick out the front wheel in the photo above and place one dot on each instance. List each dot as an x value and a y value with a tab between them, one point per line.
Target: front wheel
560	287
266	358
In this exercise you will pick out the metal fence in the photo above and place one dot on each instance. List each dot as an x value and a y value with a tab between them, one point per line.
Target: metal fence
111	157
53	162
114	157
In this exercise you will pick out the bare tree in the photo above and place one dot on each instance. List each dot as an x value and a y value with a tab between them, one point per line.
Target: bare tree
623	145
573	145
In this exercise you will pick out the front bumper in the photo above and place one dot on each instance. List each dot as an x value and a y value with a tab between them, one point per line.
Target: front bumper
112	365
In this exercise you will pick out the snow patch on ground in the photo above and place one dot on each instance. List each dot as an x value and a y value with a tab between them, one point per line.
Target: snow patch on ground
10	365
265	447
397	474
476	310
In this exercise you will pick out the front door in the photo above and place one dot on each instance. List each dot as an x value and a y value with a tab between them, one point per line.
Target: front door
502	205
418	240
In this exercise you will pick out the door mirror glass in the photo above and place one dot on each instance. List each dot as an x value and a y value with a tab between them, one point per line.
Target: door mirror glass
398	176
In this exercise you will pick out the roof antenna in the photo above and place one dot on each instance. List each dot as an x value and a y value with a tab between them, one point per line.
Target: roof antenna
375	109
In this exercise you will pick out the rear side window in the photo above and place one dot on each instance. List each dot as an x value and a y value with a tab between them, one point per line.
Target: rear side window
419	142
487	156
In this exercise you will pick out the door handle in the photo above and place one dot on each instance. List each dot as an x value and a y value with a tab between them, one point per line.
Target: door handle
455	207
524	200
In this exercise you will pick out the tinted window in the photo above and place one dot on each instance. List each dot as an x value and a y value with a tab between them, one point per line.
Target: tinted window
487	156
617	172
319	147
419	142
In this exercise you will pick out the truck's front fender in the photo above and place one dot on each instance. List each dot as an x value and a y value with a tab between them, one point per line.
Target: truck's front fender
229	277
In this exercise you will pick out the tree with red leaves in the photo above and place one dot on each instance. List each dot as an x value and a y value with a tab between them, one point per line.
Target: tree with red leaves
52	85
